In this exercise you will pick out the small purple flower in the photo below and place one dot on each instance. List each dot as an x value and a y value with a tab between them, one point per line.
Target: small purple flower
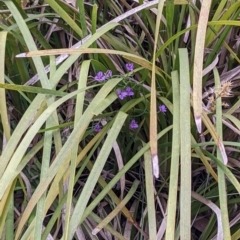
99	77
129	67
97	128
129	91
133	125
121	94
162	108
108	74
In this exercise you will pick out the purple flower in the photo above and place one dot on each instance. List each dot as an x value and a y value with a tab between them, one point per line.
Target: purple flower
133	125
108	74
162	108
99	77
129	91
97	128
121	94
129	66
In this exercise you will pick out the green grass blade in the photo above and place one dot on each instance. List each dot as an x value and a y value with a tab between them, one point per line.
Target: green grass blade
29	89
82	17
185	136
173	186
221	176
6	205
169	16
233	119
10	218
3	104
94	27
7	79
46	157
170	23
83	77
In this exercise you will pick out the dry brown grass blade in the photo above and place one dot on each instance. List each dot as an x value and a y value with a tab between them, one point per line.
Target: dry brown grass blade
215	136
198	63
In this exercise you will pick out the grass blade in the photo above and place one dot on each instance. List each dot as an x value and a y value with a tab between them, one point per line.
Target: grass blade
3	105
150	196
221	176
78	113
153	101
173	187
185	136
198	63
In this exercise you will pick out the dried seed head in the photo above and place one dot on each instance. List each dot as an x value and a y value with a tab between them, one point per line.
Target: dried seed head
225	90
212	94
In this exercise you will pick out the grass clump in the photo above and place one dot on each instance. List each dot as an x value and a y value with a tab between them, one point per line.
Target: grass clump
119	120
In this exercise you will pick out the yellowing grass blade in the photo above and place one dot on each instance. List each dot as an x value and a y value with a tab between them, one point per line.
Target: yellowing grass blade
180	2
150	196
69	51
153	103
198	63
6	218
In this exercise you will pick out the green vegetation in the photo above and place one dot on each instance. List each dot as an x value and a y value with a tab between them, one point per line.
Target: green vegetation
119	119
